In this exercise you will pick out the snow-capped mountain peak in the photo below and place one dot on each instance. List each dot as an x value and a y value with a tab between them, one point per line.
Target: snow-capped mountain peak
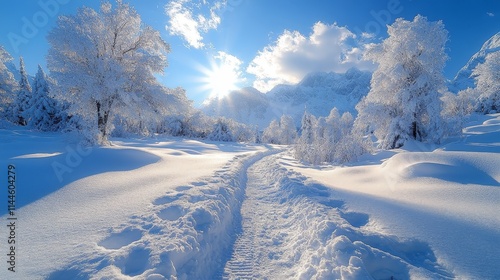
463	79
318	92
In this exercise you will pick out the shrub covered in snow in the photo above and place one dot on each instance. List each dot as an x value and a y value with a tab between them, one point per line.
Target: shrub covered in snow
329	139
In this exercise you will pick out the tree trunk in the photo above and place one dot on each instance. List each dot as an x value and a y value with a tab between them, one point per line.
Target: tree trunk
102	119
414	130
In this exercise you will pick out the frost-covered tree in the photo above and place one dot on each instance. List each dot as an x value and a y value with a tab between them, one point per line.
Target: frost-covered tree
270	133
456	107
404	99
303	146
487	76
104	62
283	132
45	113
23	97
160	108
221	131
8	85
288	130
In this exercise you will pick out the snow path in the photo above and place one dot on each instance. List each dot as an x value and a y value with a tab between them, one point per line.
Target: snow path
293	229
143	205
184	233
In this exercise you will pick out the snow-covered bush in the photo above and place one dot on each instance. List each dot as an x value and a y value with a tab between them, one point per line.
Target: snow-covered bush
404	99
329	139
242	132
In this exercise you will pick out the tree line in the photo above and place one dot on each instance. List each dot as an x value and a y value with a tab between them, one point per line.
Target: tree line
102	82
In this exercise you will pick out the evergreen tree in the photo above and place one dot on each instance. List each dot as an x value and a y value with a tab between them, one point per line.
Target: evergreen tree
8	85
23	98
303	148
221	132
44	110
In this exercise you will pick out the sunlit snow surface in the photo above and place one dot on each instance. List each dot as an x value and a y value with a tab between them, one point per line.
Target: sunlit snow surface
174	208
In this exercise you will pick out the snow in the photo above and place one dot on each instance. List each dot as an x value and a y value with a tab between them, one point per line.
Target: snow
70	229
173	208
446	196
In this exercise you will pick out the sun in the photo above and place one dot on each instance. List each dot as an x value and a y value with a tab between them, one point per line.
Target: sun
222	76
221	80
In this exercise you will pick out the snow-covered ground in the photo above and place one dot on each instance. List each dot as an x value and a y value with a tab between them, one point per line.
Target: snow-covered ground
173	208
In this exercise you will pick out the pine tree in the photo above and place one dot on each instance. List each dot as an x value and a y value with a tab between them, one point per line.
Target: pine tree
44	110
221	132
23	98
8	85
404	100
303	148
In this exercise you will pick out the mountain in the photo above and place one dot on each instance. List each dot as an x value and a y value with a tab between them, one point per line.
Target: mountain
246	105
463	79
317	93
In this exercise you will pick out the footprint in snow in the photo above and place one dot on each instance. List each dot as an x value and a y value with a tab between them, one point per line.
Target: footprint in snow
135	262
171	213
202	219
121	239
355	219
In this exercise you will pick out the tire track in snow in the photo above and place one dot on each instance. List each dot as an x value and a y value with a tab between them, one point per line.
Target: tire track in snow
243	260
294	229
258	215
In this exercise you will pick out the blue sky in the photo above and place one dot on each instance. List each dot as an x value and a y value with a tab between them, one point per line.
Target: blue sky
219	45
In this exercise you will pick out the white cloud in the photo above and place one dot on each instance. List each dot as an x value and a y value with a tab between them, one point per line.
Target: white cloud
187	19
490	14
230	62
292	56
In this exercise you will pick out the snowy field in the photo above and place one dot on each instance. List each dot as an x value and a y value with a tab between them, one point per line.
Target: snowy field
170	208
